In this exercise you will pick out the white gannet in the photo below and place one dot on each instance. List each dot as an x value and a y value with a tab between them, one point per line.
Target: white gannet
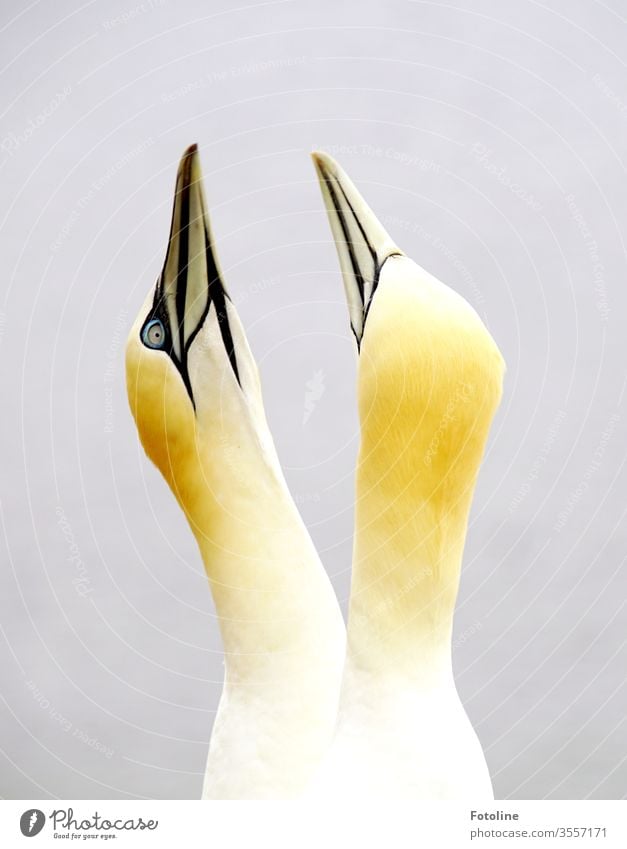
429	382
194	392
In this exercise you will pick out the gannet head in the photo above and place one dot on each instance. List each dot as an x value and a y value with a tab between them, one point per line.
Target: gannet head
192	382
429	374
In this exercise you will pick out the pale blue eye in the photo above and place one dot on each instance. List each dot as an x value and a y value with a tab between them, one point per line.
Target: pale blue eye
153	334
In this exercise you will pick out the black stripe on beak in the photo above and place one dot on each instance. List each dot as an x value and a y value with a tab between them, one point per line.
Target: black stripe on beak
187	285
362	244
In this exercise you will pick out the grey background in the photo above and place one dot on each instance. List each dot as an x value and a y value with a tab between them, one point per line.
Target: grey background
490	138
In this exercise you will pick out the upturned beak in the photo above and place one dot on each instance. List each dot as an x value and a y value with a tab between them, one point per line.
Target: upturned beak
191	281
362	243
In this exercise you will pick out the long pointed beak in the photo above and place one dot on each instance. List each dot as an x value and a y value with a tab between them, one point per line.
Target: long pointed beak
191	279
362	243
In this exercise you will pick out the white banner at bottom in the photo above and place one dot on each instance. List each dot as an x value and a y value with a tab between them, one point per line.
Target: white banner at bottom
190	824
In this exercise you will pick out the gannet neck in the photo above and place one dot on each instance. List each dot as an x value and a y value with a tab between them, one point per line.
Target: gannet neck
280	623
427	395
272	598
406	568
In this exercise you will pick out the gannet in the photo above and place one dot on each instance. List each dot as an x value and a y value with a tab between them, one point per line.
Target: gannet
429	382
194	392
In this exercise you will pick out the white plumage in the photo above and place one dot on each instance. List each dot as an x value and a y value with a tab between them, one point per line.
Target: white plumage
429	382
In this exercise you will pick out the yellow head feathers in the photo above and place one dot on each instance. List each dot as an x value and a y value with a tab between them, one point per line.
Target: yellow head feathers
192	383
429	382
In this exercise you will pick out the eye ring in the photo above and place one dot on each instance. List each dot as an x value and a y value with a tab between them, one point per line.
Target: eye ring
153	334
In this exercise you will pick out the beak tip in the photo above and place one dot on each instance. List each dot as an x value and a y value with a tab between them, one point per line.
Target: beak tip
190	156
323	163
189	171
